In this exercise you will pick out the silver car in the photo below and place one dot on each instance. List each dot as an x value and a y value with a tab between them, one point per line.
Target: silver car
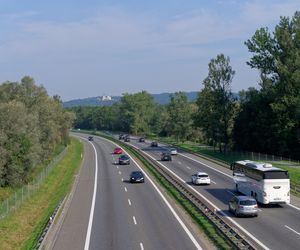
173	151
243	205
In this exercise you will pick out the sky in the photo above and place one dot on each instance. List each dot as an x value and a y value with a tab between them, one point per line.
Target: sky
79	49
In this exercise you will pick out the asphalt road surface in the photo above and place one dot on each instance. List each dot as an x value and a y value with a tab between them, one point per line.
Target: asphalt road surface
108	212
276	227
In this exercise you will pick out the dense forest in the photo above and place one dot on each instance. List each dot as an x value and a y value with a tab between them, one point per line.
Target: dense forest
32	124
265	120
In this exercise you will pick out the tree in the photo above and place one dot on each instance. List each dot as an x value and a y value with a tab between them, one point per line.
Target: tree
180	116
216	104
136	111
277	57
32	124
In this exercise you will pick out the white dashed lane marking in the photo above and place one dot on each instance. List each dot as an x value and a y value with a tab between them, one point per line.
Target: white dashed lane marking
134	220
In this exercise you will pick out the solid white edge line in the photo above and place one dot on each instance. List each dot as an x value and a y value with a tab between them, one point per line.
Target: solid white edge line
292	230
166	202
291	205
213	205
89	229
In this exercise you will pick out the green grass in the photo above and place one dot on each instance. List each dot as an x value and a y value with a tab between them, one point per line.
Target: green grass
207	227
22	229
6	192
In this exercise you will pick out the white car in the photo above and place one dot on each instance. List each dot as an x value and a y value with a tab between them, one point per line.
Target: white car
173	151
200	178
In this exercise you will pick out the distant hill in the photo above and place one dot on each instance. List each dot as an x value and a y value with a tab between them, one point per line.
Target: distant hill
163	98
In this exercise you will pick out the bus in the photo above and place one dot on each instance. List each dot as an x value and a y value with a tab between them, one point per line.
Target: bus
264	182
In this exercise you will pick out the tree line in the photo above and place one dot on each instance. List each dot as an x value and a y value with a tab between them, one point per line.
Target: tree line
265	120
32	124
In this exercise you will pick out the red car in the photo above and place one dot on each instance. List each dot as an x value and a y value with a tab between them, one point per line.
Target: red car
118	151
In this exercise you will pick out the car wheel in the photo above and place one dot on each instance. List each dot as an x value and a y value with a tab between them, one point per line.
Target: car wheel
236	213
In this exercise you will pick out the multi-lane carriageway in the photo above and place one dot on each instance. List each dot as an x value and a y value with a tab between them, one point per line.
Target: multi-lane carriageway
107	212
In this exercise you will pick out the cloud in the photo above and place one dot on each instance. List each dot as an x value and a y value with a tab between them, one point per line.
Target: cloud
115	40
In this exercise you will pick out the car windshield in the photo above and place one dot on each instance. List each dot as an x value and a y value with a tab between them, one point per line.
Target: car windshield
124	157
248	202
202	175
137	174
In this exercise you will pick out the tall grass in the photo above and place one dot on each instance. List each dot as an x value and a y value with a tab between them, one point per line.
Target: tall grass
22	229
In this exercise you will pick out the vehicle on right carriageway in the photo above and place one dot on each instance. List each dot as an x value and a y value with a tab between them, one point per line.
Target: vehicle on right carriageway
262	181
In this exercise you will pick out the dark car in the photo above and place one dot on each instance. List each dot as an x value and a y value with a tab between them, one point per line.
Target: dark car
166	157
137	176
90	138
127	139
121	137
124	160
243	205
142	139
154	144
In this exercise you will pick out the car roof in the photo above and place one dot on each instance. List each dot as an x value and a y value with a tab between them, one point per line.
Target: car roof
244	197
136	172
201	173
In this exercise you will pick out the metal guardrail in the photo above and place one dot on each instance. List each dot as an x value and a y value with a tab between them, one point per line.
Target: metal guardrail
237	238
294	188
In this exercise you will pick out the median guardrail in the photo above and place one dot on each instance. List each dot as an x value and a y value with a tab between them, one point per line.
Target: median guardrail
238	239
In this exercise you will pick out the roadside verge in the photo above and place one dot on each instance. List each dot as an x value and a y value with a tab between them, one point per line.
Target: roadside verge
22	229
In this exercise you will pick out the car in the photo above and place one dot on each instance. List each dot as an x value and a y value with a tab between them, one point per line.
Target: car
142	139
90	138
137	176
166	156
200	178
173	151
154	144
121	137
241	205
127	139
124	160
118	151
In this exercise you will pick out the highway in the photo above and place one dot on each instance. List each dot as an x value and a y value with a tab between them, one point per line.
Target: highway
276	227
108	212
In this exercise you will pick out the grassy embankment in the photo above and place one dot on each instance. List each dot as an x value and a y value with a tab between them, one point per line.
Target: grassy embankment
22	229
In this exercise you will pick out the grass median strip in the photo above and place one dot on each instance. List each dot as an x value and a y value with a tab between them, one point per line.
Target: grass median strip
22	229
210	230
